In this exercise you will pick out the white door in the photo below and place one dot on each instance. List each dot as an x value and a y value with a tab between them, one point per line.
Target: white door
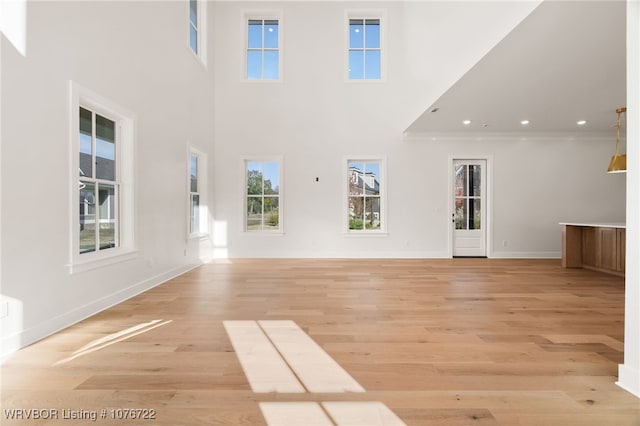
469	208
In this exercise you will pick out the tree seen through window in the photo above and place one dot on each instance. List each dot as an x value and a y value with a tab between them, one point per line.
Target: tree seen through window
263	196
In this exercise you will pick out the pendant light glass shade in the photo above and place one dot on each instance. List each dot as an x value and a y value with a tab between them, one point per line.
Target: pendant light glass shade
618	163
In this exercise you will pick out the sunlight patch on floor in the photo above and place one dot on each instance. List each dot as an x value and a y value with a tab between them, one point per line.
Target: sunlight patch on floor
114	338
277	355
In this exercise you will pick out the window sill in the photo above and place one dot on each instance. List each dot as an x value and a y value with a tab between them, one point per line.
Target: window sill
366	234
199	236
262	80
83	265
366	80
199	58
264	233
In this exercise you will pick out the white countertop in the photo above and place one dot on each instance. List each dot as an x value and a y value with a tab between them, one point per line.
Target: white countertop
597	224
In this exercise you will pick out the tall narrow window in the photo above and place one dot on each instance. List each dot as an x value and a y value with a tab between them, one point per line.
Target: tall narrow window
263	54
98	186
194	196
102	187
193	26
364	49
197	28
263	192
365	196
197	190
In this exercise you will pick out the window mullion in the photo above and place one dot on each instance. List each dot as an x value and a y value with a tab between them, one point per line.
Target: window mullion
94	146
116	215
96	215
262	67
117	129
262	198
107	181
364	49
469	197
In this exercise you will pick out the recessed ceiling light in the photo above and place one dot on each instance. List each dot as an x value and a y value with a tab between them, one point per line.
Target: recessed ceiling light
581	122
524	122
466	122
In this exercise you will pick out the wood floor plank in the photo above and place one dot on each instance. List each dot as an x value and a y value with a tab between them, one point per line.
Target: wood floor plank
261	362
438	342
312	365
361	413
294	414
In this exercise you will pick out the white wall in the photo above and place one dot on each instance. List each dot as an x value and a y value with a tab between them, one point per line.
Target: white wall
314	118
136	55
629	372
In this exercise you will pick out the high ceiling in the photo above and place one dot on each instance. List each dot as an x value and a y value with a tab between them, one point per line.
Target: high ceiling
565	62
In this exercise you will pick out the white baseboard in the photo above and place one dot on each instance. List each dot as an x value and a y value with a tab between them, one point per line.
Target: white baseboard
629	379
16	341
340	255
418	254
526	255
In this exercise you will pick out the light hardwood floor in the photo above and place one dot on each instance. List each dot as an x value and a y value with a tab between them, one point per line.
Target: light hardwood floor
439	342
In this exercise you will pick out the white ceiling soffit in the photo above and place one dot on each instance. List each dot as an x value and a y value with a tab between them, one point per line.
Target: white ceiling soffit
564	63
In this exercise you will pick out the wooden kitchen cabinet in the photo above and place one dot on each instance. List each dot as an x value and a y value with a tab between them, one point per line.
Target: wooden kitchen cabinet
600	247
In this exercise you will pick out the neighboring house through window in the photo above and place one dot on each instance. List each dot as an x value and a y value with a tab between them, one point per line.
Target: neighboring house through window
263	192
99	188
365	195
263	49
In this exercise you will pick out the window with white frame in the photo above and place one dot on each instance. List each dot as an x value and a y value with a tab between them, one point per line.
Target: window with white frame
98	186
263	49
263	189
364	49
365	195
103	218
193	26
197	28
197	193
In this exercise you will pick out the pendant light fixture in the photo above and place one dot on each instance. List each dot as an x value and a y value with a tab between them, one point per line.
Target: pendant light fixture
618	162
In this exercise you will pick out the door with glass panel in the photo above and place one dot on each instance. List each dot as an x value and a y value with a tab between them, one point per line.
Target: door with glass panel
469	217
